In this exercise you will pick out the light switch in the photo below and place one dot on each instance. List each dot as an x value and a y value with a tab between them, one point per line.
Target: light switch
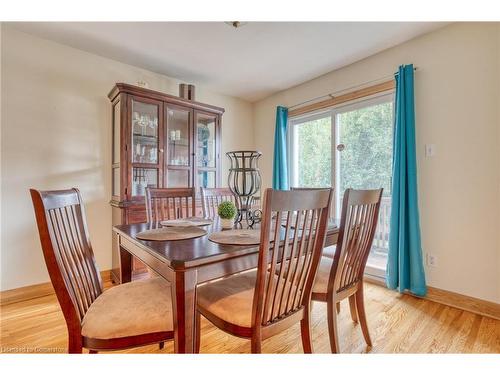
430	150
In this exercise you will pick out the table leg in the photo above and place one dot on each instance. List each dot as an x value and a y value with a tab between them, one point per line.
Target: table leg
184	300
125	266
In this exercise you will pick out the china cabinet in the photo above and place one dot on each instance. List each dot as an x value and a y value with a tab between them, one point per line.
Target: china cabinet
159	140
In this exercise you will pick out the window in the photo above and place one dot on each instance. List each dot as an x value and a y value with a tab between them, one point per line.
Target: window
311	159
348	146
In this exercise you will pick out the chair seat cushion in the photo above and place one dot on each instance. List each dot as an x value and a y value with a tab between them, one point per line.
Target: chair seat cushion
229	299
130	309
323	275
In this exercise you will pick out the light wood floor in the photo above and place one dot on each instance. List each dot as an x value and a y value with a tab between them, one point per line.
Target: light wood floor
398	324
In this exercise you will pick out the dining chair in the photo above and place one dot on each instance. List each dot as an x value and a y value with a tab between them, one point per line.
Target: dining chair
342	277
265	301
127	315
330	250
212	197
170	203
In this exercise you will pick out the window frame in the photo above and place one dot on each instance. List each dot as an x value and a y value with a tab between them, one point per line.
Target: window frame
332	112
292	123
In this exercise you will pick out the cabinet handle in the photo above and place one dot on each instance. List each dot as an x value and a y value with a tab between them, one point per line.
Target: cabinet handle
161	150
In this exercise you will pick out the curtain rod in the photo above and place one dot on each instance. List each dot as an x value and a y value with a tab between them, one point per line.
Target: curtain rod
333	94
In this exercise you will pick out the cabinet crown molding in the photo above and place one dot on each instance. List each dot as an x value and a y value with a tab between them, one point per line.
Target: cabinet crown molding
141	91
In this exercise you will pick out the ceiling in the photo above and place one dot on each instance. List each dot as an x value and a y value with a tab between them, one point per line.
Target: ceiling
250	62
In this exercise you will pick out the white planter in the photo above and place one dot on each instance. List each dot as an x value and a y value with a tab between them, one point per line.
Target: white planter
227	223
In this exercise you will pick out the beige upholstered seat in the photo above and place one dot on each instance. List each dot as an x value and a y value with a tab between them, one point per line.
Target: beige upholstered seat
321	280
231	299
130	309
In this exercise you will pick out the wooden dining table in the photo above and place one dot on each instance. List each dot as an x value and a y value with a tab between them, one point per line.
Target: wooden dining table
187	263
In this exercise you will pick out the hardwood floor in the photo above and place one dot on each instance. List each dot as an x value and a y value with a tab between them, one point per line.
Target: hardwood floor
398	324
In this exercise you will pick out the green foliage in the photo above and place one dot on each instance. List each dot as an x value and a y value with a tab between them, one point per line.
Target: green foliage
366	161
227	210
314	153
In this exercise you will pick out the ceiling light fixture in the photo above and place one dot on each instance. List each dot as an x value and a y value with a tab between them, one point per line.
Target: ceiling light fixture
235	24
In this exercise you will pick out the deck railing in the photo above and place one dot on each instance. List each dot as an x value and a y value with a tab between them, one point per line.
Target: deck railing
381	239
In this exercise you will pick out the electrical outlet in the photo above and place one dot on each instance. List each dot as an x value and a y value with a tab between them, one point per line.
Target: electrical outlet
432	260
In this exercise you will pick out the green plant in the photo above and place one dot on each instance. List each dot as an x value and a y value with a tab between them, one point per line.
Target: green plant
227	210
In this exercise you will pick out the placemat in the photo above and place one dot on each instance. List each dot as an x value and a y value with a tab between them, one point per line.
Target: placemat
236	237
188	222
171	234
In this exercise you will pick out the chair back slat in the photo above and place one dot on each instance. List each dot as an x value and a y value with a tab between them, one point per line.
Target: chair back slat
358	223
169	204
67	250
212	197
293	232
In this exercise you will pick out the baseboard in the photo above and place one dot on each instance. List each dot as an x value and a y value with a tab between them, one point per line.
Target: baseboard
467	303
35	291
459	301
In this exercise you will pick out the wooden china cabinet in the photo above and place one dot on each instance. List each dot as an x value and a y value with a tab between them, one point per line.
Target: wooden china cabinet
159	140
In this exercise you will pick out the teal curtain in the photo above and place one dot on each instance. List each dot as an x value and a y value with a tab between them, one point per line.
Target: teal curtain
405	270
280	169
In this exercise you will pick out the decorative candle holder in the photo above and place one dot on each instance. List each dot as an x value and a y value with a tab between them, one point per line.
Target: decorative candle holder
244	181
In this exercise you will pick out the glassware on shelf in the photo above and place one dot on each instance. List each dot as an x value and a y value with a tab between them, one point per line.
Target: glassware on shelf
205	131
178	130
153	125
152	154
144	133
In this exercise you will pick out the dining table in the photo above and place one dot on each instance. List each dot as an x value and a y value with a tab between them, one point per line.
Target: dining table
187	263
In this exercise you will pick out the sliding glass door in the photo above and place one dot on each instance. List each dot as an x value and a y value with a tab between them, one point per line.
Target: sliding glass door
348	146
311	157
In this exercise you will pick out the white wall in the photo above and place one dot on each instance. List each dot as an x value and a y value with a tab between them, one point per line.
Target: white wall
457	108
56	134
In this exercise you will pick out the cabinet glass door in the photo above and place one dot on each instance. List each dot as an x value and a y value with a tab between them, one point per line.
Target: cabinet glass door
178	136
206	179
143	178
205	140
206	149
178	178
144	132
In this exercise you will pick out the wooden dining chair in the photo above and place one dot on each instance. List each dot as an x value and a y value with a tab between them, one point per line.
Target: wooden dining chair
128	315
330	250
262	303
170	203
212	197
342	277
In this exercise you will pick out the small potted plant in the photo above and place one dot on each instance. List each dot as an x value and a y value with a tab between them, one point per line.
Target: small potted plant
227	212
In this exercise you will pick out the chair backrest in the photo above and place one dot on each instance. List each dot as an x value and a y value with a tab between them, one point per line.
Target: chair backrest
170	203
358	223
287	265
212	197
332	206
68	254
